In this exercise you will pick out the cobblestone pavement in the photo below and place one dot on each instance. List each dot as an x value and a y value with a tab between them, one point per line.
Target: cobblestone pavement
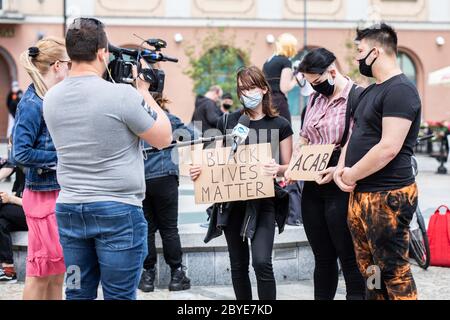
433	284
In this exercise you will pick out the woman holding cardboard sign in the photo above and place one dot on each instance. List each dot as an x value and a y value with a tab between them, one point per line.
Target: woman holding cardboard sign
324	206
255	219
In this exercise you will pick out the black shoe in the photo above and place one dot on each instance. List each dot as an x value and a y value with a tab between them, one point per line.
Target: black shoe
147	282
179	281
8	276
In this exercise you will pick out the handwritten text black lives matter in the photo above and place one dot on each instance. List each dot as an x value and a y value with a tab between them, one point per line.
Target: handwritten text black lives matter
241	178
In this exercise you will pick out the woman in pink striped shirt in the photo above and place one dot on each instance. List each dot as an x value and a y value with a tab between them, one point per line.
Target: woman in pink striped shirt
324	205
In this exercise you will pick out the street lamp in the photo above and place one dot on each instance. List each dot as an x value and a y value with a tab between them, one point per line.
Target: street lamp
305	25
64	17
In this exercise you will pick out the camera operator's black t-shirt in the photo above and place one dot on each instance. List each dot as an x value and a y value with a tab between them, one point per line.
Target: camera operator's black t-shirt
398	98
276	127
272	70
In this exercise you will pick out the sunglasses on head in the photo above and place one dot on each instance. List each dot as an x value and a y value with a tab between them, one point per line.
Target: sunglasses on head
96	21
69	63
77	22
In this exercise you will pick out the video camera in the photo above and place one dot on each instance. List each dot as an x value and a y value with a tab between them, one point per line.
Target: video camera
120	68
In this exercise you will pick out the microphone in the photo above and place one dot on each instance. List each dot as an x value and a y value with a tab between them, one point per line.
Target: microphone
239	134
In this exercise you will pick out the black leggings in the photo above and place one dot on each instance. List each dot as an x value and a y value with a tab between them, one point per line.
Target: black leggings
12	218
261	247
324	210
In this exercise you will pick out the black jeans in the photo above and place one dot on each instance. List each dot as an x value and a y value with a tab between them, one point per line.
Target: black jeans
12	218
324	210
261	247
161	211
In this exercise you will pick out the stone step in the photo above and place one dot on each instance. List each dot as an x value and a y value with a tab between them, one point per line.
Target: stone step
208	264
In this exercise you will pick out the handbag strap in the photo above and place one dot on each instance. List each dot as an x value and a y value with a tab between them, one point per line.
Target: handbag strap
354	97
438	210
303	115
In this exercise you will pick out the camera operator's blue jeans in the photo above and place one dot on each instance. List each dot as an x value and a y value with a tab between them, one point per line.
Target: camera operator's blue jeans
102	241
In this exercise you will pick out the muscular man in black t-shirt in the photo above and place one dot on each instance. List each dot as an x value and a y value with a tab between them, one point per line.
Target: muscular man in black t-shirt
376	165
394	100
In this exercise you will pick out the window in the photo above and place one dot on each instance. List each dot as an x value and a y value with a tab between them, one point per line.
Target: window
408	66
1	6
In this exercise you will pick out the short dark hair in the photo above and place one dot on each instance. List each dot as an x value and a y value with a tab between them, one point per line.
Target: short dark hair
317	61
381	33
83	39
227	96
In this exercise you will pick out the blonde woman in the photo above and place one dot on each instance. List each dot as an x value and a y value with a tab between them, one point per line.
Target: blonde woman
279	74
47	63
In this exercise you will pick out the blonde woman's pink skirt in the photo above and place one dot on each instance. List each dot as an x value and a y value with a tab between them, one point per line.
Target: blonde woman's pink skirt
45	256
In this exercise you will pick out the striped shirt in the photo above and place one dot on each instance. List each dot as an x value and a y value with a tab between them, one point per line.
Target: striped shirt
325	121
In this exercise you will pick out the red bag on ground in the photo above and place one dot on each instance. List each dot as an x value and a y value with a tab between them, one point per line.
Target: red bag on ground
439	236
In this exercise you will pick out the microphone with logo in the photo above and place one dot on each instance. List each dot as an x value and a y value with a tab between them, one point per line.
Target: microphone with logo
239	134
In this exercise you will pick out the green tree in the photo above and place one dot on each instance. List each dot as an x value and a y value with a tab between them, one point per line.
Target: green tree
216	62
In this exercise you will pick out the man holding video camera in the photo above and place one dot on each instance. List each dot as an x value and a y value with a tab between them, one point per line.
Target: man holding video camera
96	127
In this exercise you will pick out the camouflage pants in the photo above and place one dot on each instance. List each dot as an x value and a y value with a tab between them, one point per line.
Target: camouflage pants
379	224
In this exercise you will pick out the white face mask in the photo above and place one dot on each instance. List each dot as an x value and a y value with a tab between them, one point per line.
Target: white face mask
252	100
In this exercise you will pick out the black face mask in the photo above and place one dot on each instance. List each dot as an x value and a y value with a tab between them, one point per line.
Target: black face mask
364	68
326	88
227	106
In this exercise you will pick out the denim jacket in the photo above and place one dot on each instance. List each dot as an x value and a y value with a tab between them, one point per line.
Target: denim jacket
32	145
161	164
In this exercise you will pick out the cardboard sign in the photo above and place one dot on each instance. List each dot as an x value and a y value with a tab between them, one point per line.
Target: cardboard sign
241	178
185	155
310	162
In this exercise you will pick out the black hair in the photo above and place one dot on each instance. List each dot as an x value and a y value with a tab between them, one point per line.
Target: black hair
381	33
83	39
317	61
227	96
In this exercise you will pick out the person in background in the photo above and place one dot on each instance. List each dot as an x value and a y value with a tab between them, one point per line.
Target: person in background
324	205
207	111
12	101
226	103
47	63
279	74
161	207
12	219
14	98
